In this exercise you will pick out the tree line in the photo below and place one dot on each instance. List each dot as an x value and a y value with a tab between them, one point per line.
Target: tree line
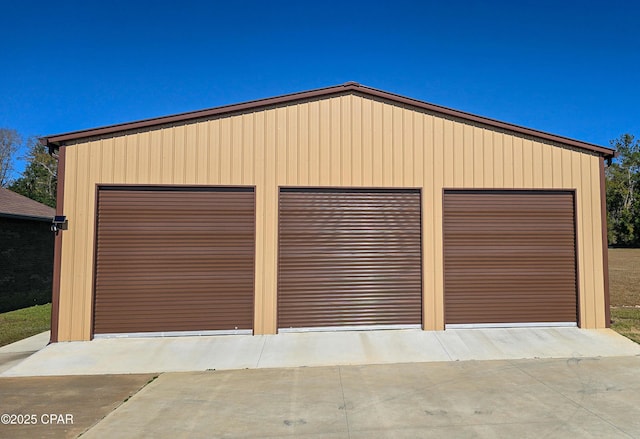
623	193
39	178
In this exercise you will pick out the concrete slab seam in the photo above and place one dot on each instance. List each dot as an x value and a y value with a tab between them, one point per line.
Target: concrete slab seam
264	342
344	402
443	346
120	405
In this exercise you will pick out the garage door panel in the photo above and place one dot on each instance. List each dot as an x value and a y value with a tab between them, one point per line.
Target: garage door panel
174	260
509	257
349	257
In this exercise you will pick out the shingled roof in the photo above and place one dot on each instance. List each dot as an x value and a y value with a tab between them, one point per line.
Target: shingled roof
18	206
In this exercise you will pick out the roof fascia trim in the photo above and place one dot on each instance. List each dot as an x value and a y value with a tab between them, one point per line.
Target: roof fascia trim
57	140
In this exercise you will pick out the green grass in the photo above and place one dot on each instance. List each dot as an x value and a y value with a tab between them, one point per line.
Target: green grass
624	286
23	323
626	321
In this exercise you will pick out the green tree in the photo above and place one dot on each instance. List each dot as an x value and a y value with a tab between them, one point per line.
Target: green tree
40	177
10	141
623	193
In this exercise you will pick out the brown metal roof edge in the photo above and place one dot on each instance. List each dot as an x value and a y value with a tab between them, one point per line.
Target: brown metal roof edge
26	217
55	140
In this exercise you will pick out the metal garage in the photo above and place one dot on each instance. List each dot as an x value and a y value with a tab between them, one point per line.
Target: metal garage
509	258
349	258
174	260
347	207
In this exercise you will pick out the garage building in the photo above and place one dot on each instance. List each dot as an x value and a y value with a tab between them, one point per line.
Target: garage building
340	208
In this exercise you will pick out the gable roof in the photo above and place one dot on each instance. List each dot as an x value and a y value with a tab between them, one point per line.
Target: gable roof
18	206
54	141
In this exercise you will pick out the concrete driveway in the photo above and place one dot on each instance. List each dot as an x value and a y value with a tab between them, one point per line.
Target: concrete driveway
173	354
550	398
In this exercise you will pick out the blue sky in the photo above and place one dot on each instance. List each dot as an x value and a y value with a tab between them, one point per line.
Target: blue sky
567	67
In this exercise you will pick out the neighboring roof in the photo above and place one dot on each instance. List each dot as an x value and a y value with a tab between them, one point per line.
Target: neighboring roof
17	206
57	140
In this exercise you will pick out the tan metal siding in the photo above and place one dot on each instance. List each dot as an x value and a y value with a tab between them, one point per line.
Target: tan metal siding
174	259
269	139
349	258
509	257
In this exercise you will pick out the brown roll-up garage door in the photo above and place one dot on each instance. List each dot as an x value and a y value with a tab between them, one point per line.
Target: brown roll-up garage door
349	258
509	257
174	259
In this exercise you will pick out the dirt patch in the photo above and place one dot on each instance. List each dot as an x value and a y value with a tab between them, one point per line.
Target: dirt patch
62	407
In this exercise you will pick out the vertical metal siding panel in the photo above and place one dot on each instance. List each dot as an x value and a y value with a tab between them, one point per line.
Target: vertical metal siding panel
387	145
179	155
478	157
225	150
597	288
367	143
190	154
527	163
587	239
567	168
576	175
107	160
131	152
214	151
335	128
508	163
202	151
377	142
556	159
120	160
168	161
94	165
261	227
488	160
95	175
235	144
547	166
408	156
436	217
80	256
325	142
537	164
498	156
518	175
143	158
451	146
293	144
467	155
248	150
356	139
397	146
346	145
418	150
270	194
67	257
429	313
314	143
454	157
303	145
281	146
